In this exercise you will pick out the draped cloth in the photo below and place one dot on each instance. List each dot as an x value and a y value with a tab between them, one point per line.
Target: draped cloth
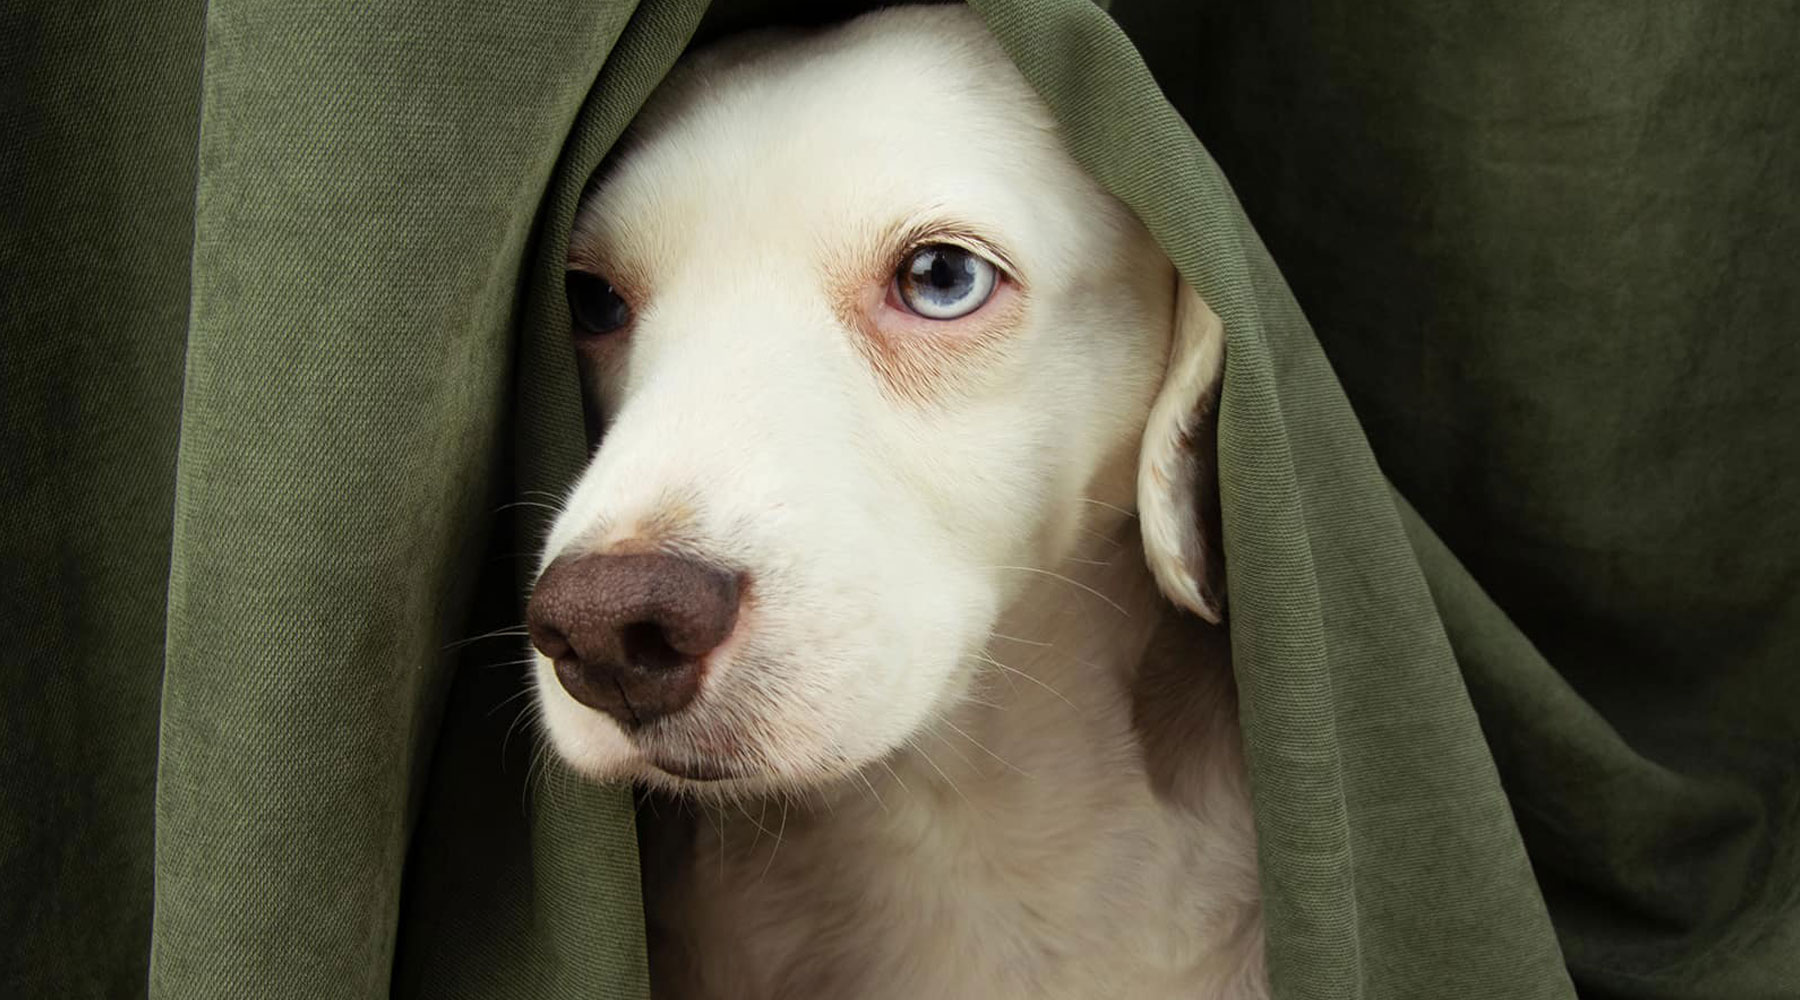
1508	449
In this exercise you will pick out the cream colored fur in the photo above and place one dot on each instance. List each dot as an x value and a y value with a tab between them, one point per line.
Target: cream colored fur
981	753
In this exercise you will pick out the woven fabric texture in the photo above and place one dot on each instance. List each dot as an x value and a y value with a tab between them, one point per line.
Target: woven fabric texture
1508	465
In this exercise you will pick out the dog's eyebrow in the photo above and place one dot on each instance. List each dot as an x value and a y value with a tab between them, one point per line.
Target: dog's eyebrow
590	250
582	256
912	233
584	249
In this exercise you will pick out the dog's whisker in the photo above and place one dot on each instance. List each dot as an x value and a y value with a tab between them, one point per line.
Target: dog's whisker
778	835
1022	642
1102	536
529	714
506	664
511	631
995	700
954	749
984	749
1012	688
924	755
525	712
715	819
894	775
534	775
1115	508
763	810
546	791
870	785
1115	605
983	702
540	505
1013	671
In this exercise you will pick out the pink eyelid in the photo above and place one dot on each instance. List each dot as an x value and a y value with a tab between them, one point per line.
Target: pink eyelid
892	313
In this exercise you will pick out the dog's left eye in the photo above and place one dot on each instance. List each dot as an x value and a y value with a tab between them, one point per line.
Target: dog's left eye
594	305
940	281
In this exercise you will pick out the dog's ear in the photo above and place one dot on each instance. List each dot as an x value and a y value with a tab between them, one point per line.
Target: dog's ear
1178	484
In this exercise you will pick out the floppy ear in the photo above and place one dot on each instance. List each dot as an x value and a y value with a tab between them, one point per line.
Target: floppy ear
1178	480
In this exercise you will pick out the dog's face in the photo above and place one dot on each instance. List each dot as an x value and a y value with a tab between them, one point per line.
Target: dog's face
867	343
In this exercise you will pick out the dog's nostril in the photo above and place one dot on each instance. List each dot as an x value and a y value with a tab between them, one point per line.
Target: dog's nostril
647	647
550	642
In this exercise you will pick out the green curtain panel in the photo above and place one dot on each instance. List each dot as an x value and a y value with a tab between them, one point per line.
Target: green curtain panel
1510	449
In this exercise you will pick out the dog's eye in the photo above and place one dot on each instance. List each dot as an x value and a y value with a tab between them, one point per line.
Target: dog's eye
940	281
594	304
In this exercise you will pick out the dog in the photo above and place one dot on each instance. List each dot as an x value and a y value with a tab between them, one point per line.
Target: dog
894	395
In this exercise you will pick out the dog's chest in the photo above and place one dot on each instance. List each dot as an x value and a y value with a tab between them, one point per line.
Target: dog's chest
1004	886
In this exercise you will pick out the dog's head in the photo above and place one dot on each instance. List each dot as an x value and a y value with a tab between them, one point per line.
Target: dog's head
866	341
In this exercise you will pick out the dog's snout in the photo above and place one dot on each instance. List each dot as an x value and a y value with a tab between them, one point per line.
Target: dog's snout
627	632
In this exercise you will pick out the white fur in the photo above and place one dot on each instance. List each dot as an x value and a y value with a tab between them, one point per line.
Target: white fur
978	759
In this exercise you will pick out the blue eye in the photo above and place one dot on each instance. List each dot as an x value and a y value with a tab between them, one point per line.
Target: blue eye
594	305
940	281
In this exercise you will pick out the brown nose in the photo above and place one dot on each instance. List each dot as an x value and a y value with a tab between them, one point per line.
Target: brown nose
627	632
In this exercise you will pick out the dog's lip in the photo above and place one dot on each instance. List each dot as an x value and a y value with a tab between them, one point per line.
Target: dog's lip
699	771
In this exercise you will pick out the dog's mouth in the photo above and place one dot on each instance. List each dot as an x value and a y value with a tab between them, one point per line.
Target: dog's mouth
677	752
700	771
720	780
711	761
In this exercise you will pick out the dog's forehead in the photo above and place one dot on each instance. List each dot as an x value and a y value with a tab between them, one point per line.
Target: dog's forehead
809	138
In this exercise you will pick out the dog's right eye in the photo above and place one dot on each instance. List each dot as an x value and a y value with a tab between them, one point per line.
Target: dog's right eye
594	304
944	282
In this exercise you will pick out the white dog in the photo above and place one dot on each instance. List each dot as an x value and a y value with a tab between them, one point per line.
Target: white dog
884	374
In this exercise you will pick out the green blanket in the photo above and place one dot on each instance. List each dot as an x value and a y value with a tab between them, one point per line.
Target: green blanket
1512	511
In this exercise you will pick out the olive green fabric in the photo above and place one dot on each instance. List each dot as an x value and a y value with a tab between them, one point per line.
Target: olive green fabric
98	124
286	384
1549	247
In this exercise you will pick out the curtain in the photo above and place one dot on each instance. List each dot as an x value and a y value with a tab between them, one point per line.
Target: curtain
1508	451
